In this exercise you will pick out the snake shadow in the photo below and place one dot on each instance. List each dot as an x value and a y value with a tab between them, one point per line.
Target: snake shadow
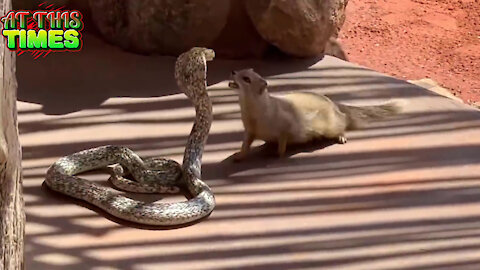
62	198
261	155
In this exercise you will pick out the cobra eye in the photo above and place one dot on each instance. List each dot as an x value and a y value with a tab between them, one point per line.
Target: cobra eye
246	79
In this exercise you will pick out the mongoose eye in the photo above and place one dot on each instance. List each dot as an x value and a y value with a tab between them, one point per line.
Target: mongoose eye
247	80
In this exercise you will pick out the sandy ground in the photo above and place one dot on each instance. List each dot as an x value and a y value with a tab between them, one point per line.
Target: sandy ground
402	194
414	39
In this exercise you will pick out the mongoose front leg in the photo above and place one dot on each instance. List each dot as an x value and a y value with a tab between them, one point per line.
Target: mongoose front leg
248	139
282	146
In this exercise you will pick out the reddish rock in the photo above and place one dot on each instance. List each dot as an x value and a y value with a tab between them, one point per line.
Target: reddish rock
300	28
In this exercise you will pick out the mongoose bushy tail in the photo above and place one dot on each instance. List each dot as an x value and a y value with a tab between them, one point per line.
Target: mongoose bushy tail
359	116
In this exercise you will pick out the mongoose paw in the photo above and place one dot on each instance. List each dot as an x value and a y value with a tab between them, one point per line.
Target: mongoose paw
342	140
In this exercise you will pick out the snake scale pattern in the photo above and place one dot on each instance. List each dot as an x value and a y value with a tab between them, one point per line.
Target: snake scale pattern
155	175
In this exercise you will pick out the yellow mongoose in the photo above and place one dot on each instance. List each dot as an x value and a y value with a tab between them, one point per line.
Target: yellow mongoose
298	117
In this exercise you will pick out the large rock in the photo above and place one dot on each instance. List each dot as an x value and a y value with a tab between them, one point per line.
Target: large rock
170	27
339	15
165	26
234	28
302	27
239	38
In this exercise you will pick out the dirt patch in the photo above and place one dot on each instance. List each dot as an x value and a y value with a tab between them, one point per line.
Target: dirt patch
414	39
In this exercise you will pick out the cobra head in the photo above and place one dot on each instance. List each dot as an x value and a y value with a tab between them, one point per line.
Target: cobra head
191	71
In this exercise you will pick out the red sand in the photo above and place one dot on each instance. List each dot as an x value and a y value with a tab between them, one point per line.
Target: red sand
414	39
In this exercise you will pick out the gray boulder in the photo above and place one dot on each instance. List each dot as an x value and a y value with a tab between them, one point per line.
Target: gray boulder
165	26
234	28
171	27
300	28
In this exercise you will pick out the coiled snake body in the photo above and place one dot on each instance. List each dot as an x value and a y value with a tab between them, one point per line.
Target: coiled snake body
152	175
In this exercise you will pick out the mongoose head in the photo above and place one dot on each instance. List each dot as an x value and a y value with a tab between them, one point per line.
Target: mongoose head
248	81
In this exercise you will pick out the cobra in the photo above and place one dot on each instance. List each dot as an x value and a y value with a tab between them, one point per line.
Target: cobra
149	175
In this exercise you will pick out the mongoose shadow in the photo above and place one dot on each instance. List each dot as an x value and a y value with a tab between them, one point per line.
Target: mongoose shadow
261	155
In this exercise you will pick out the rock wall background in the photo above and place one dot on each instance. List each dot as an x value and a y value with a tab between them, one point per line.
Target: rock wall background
234	28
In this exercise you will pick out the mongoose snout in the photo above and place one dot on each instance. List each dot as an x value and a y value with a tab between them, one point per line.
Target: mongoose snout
233	84
248	82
